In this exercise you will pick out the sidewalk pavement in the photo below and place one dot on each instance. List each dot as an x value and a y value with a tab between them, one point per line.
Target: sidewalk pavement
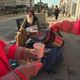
51	19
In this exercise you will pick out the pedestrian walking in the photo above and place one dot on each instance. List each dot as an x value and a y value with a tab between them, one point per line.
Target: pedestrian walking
56	13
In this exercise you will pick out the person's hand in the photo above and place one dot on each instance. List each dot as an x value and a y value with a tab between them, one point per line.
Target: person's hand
29	70
33	52
30	54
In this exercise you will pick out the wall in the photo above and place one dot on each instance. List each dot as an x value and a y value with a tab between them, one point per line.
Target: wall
77	15
75	9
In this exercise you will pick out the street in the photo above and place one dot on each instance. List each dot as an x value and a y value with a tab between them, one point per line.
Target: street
8	29
8	26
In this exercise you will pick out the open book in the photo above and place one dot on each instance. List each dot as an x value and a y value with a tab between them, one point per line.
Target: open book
33	28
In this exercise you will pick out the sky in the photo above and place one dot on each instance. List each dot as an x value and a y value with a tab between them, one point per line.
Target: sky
50	2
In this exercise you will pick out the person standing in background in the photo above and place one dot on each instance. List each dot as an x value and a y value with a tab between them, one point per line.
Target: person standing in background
56	12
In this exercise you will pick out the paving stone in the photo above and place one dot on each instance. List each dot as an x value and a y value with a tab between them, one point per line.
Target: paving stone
45	76
71	60
74	73
61	73
71	49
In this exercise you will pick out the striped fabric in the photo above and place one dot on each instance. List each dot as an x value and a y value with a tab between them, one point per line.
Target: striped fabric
29	70
11	76
7	47
17	52
64	26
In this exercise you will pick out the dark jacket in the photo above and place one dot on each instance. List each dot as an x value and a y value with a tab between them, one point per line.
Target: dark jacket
56	11
26	24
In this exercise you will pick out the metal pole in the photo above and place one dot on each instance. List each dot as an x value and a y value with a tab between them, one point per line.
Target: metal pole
31	4
54	2
40	5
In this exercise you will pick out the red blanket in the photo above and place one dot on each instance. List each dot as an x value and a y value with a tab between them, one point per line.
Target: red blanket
67	26
76	27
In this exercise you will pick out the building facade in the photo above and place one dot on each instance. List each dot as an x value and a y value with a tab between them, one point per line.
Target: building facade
14	3
10	3
25	2
72	7
2	4
77	14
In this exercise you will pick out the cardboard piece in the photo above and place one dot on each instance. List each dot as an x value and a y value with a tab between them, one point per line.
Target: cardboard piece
33	28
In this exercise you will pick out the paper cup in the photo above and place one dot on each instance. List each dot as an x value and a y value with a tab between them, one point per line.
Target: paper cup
39	47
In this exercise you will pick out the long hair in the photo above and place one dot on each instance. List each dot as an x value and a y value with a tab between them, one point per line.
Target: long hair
32	13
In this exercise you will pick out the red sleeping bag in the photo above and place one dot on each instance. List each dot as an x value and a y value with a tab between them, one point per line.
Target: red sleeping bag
55	26
66	26
76	27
